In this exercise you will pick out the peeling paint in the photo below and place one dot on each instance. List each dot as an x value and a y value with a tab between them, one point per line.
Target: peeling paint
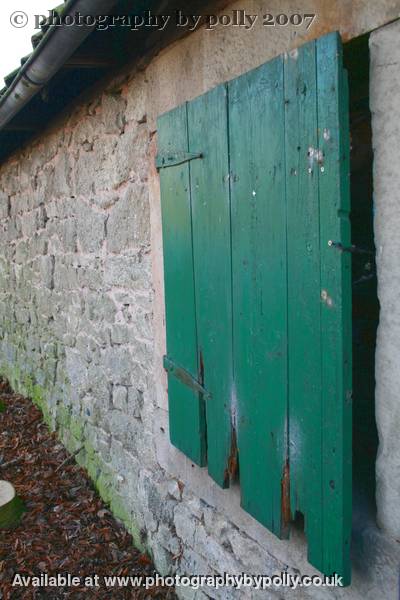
285	495
326	298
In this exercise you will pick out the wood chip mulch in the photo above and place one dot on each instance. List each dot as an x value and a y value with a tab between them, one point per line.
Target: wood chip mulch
66	528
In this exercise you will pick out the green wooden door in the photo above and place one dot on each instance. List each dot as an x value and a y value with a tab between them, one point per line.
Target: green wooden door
255	203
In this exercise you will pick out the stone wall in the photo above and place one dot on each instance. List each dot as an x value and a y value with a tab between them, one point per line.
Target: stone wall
76	291
82	321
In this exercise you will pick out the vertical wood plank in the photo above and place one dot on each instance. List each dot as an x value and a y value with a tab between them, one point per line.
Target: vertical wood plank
186	407
335	306
207	118
256	129
304	293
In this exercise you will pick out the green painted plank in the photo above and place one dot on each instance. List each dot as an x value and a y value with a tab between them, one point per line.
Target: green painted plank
186	406
304	293
256	123
335	306
207	118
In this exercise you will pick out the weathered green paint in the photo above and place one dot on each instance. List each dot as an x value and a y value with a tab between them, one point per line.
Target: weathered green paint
304	293
209	178
271	295
319	327
256	116
335	307
186	406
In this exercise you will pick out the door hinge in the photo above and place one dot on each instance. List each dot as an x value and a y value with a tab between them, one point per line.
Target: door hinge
185	377
170	159
352	249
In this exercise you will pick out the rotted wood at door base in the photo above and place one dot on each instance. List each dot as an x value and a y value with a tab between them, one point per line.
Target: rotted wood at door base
254	182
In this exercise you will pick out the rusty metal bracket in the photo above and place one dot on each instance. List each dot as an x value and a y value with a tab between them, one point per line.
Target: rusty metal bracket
351	249
170	159
185	377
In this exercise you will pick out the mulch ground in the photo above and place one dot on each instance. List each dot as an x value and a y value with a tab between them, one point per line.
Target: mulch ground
66	528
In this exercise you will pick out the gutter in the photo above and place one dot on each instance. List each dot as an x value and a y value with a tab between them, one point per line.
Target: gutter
58	44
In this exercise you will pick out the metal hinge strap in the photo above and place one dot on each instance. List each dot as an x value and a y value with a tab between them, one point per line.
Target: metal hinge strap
170	159
352	249
185	377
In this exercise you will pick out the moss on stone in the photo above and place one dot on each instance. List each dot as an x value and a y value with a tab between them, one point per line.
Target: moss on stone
76	429
104	487
71	431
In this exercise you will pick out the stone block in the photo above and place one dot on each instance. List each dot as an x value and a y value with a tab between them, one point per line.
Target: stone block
120	398
118	365
113	107
126	271
129	222
4	205
91	228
